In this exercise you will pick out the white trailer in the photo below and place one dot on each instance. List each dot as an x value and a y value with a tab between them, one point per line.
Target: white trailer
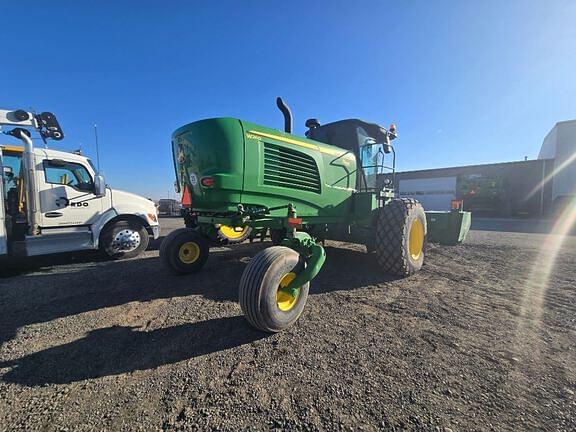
560	145
55	201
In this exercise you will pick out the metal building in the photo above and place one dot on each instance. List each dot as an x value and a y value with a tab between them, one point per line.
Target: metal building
560	145
528	187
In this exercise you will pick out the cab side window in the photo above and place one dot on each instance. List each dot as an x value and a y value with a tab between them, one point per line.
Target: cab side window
67	173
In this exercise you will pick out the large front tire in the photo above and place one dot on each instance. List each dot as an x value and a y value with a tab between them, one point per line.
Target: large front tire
184	251
266	303
401	237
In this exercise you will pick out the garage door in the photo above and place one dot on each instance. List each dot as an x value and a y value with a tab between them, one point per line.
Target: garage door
434	193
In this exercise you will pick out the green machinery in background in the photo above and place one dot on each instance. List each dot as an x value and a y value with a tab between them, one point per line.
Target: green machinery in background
241	177
484	194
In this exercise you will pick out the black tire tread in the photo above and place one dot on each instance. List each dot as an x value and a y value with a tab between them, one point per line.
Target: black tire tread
251	281
167	256
391	254
164	256
222	239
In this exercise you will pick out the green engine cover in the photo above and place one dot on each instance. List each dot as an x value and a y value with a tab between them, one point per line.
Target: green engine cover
257	167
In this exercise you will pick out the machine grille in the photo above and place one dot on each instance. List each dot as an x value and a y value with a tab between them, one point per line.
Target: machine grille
289	168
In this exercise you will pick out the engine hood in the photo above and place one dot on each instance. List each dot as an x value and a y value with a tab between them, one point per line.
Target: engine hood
124	200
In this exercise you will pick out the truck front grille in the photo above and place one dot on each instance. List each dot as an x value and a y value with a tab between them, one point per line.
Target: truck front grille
289	168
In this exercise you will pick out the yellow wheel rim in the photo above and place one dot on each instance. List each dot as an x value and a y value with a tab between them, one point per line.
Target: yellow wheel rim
416	239
232	233
189	252
286	299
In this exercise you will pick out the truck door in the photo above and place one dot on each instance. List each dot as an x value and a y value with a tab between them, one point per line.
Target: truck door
67	196
3	233
13	194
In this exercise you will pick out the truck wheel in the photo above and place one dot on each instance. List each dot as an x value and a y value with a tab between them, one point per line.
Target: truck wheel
231	235
401	237
184	251
124	239
263	299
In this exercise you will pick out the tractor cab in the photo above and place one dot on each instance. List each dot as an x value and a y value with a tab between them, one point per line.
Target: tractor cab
369	142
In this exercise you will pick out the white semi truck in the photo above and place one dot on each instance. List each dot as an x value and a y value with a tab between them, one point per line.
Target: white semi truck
55	201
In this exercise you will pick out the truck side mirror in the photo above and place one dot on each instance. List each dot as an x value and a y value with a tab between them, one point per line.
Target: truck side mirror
99	186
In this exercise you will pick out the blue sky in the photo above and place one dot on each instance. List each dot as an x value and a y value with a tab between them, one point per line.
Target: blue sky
466	81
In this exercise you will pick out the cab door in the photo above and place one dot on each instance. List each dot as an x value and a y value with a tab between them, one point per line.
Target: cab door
67	196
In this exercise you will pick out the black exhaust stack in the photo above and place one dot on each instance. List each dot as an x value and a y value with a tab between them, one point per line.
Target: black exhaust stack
287	114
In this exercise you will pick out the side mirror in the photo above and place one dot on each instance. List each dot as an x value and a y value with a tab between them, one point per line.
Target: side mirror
99	186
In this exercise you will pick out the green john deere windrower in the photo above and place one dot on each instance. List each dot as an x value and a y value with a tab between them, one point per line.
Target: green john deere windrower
243	177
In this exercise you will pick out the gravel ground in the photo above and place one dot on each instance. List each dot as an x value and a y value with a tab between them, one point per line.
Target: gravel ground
472	342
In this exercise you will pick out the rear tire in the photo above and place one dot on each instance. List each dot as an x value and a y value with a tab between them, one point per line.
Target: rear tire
184	251
401	237
265	304
124	239
232	235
